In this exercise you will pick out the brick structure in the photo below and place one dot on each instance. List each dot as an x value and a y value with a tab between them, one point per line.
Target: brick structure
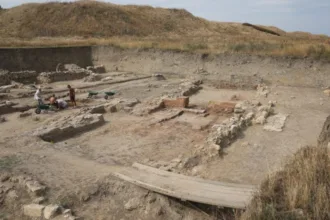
181	102
221	107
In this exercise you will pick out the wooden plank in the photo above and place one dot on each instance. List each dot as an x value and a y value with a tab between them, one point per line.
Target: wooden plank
165	173
188	188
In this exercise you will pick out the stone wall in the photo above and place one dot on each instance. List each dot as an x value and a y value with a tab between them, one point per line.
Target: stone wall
26	77
48	77
43	59
4	77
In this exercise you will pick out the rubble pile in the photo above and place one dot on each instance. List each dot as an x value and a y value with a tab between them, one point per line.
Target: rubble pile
148	107
246	114
263	112
262	90
72	67
96	69
92	78
189	88
11	188
124	104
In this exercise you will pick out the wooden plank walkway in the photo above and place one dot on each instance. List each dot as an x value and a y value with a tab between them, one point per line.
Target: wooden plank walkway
188	188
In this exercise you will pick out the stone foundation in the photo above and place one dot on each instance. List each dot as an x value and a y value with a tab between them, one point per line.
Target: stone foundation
26	77
69	126
49	77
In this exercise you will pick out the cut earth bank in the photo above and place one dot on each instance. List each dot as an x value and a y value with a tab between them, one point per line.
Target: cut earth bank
233	130
239	70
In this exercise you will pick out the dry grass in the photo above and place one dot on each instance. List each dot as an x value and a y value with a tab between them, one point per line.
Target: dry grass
97	23
266	30
8	162
210	44
300	191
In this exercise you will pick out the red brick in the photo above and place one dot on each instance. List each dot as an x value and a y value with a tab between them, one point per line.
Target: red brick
221	107
181	102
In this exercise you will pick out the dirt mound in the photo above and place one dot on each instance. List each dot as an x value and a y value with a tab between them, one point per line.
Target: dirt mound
129	26
98	19
95	19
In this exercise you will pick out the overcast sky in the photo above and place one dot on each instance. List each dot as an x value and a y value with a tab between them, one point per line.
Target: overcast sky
290	15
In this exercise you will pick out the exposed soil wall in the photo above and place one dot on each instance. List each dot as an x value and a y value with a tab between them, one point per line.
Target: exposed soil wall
242	70
225	70
43	59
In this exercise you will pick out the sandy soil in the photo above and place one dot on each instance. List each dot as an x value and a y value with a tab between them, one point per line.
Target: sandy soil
73	168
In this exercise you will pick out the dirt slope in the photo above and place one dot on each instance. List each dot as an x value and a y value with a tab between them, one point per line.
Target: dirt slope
129	26
98	19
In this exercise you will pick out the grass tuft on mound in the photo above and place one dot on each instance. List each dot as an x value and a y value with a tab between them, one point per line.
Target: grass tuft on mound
300	191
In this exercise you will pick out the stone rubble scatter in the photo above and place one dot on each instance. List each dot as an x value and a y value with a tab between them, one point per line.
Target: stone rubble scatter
222	135
262	91
92	78
9	186
96	69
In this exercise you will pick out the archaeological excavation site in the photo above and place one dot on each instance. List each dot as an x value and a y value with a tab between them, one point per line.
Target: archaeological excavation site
154	135
111	112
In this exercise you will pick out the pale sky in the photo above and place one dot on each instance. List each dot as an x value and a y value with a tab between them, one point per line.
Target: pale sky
290	15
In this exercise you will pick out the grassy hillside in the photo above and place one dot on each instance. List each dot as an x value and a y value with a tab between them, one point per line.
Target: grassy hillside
95	19
301	191
91	22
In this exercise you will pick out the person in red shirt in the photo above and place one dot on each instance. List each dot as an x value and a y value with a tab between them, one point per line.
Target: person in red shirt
72	95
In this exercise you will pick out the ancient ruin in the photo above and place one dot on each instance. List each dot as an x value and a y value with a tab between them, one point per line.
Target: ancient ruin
119	131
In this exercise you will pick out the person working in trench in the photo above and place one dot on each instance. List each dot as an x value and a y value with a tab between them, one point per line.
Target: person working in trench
72	95
60	104
37	96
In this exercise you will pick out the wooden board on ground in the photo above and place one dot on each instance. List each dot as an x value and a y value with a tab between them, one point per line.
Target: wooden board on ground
189	188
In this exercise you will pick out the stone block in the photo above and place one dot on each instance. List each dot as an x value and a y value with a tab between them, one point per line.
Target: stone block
33	210
51	211
35	187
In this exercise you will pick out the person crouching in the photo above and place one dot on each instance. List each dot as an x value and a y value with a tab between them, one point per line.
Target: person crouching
60	104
